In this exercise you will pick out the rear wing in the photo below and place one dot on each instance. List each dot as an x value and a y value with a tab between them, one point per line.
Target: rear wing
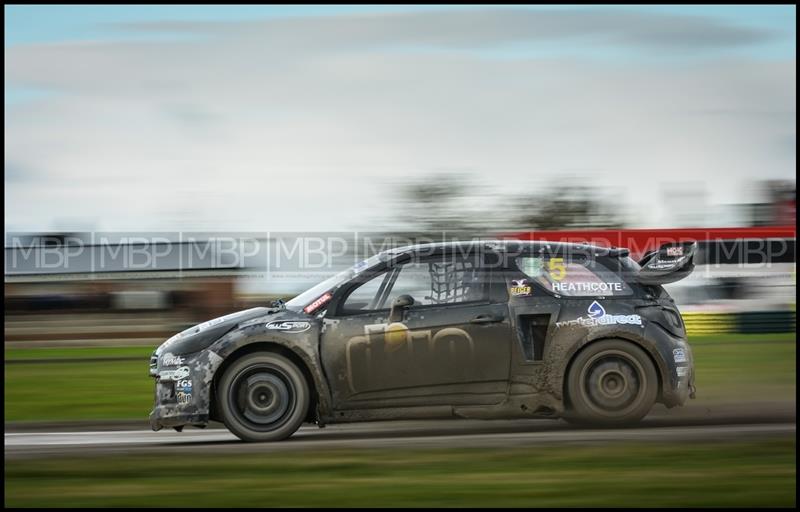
670	263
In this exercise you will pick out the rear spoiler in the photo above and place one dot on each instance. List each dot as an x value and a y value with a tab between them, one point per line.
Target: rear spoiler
670	263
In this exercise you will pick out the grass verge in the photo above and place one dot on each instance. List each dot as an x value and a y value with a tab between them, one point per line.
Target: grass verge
39	354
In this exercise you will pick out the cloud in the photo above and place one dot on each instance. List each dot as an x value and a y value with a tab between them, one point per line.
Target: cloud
307	123
476	28
236	46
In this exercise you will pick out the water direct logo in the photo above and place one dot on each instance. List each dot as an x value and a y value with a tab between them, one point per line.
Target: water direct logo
597	316
596	310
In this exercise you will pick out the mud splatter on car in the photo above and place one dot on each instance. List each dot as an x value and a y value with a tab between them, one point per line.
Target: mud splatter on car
500	329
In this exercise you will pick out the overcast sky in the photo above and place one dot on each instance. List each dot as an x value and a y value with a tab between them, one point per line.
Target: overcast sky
310	118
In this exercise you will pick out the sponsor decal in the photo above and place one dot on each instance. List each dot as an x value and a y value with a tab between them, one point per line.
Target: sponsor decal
679	355
318	303
191	331
659	264
596	310
373	357
177	374
205	325
594	288
215	321
683	371
596	315
557	269
171	360
520	288
662	264
395	337
289	326
183	391
675	251
184	386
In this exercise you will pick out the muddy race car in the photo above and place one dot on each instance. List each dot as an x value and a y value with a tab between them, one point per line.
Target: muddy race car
501	329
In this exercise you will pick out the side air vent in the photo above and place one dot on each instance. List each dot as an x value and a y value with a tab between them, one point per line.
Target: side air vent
534	335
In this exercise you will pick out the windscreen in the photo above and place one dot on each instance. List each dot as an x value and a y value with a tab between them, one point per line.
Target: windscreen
331	283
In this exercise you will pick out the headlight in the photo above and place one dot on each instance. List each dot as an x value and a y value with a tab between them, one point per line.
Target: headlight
153	364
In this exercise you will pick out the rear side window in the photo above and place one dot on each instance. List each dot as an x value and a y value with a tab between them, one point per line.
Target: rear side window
583	277
442	280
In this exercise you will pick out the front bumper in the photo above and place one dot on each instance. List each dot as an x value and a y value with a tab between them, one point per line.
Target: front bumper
183	388
161	418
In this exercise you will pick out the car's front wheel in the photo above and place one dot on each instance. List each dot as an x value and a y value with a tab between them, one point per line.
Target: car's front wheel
263	397
611	382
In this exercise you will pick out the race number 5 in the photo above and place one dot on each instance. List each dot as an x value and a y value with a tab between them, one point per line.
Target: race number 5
558	270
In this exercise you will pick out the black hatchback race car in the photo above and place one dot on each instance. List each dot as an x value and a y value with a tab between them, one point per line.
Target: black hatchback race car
497	329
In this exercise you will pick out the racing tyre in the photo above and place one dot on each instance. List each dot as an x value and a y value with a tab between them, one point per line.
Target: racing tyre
263	397
612	383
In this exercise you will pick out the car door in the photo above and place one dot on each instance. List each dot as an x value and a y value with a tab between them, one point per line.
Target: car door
452	346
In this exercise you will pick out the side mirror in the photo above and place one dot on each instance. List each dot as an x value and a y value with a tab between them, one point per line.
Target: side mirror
398	306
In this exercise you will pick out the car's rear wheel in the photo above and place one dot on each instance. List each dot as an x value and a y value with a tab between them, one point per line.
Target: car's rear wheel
611	382
263	397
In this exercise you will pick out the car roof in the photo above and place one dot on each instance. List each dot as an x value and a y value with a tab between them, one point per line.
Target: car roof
509	246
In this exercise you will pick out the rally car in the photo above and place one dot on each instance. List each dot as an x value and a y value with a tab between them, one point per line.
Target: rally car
490	329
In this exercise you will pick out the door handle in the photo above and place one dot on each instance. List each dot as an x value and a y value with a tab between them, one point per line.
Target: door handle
487	319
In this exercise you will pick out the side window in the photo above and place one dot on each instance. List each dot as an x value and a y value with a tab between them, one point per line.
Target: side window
413	280
441	280
437	280
573	277
365	296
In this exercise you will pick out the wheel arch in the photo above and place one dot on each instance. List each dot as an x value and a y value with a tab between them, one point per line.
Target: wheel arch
652	354
312	379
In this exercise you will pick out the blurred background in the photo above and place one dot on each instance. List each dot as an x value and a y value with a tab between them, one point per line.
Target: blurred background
165	165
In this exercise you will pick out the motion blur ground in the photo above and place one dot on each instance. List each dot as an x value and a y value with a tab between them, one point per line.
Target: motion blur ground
678	472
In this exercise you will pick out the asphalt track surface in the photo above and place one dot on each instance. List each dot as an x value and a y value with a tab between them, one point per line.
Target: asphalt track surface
688	426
